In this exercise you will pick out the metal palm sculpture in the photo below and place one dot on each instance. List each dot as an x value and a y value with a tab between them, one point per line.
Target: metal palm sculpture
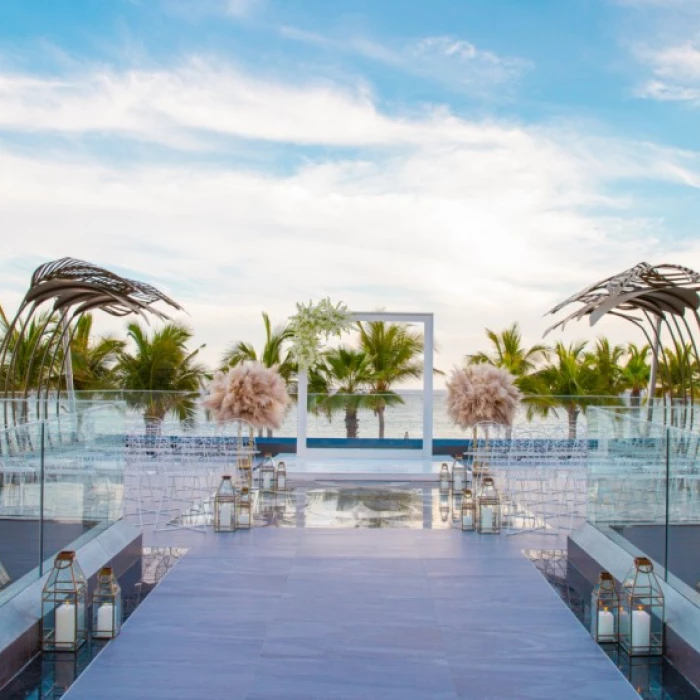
72	288
657	299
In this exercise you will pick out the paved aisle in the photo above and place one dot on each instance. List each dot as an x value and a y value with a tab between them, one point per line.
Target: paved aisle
386	614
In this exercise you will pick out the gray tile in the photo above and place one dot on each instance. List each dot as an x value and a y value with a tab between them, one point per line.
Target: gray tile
162	681
351	614
541	678
352	676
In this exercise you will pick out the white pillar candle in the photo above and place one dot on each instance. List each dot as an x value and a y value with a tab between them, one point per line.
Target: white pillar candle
225	515
105	621
458	483
281	481
267	481
467	521
445	484
641	629
65	624
487	517
606	623
244	516
624	623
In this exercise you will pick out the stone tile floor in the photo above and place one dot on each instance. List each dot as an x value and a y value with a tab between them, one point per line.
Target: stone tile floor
352	613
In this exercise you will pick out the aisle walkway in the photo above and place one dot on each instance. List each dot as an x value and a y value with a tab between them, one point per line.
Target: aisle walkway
366	613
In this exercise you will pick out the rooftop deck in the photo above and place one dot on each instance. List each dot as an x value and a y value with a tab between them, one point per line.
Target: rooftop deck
352	613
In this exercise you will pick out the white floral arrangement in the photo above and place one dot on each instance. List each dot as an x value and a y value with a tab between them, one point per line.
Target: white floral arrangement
312	323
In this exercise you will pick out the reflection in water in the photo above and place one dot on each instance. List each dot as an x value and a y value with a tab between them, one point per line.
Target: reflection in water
319	504
653	678
358	505
50	675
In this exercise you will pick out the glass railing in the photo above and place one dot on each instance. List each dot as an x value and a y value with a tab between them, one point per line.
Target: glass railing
61	483
644	492
401	412
678	413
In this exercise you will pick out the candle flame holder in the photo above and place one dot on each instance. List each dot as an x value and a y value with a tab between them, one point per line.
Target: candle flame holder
605	608
64	605
642	611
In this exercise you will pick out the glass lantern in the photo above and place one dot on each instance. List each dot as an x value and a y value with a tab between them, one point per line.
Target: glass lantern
281	476
244	459
267	474
489	508
225	506
605	605
468	511
444	506
106	605
641	620
63	605
458	475
244	511
444	478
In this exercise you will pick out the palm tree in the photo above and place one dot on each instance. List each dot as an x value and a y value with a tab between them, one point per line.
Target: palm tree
349	371
636	372
392	350
604	361
680	371
568	374
510	354
93	360
29	352
273	352
161	364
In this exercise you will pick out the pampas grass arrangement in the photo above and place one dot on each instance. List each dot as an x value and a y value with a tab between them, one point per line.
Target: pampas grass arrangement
251	392
481	394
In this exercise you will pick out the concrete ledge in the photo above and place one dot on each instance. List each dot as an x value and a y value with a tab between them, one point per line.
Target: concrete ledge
590	551
118	545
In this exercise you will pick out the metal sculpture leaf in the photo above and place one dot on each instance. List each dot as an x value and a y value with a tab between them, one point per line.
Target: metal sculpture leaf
654	298
73	287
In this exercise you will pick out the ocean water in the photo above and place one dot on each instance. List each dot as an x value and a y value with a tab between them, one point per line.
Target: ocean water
407	418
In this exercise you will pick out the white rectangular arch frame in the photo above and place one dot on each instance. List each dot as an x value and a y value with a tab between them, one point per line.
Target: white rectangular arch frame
426	451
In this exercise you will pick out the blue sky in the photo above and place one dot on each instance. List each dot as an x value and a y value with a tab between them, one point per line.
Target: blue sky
476	158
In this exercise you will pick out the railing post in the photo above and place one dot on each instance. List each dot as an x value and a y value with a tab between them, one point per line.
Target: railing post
668	501
302	407
41	501
428	397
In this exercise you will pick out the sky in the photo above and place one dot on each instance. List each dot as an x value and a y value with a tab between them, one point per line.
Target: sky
478	159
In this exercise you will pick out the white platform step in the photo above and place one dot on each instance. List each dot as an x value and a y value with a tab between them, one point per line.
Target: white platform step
348	469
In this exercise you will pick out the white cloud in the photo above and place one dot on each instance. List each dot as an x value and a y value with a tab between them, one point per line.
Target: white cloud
462	61
191	9
454	62
668	47
676	71
480	222
665	92
177	106
243	8
677	62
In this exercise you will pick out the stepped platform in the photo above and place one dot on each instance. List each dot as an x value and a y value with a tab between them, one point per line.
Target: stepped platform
403	468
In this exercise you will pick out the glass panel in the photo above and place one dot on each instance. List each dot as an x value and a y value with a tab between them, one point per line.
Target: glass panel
83	476
182	413
683	535
644	488
20	527
628	482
